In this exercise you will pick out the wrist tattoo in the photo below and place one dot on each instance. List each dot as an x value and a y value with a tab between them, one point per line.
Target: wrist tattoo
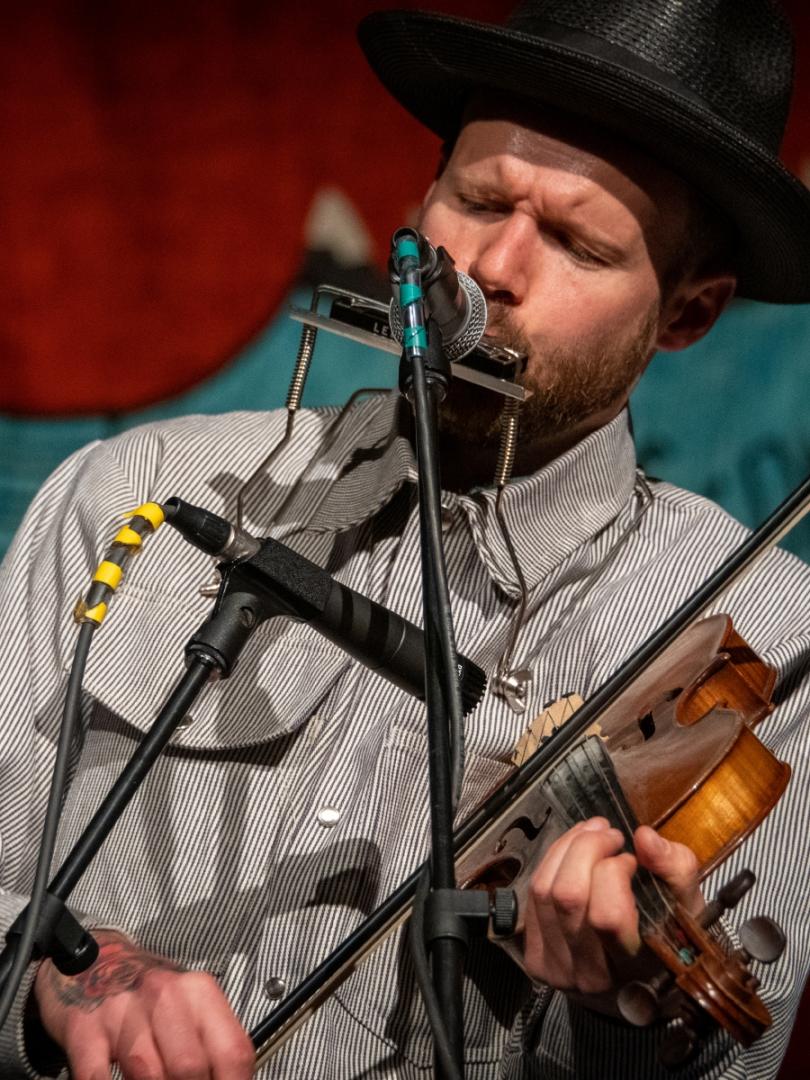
120	967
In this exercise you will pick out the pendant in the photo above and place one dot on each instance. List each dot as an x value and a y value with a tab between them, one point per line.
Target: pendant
513	687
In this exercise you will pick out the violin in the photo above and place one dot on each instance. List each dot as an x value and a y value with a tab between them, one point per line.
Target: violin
676	750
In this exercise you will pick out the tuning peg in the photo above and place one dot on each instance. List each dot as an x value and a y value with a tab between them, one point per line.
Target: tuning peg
728	897
640	1003
678	1044
762	939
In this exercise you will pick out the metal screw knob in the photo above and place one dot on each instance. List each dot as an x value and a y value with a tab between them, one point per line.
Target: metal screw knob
504	912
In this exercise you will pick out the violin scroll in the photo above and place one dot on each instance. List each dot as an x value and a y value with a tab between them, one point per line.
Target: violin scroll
705	982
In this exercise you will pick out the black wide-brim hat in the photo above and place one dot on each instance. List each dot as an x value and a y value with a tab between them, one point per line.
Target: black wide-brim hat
703	85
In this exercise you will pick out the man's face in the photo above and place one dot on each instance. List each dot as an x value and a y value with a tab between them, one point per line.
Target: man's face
569	237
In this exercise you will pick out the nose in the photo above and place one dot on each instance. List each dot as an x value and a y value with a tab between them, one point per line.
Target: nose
503	258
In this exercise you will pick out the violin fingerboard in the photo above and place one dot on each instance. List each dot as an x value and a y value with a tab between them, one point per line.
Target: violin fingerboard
585	785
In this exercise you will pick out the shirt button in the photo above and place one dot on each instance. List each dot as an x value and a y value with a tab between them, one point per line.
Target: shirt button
185	721
328	816
448	513
275	988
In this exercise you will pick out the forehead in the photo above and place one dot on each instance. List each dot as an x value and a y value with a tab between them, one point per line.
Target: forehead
525	144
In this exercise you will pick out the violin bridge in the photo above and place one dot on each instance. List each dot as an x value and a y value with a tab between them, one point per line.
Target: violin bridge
546	723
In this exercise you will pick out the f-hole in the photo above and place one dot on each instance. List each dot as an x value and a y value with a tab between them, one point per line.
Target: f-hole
646	725
525	825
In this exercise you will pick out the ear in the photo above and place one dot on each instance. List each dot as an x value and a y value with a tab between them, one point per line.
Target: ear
693	309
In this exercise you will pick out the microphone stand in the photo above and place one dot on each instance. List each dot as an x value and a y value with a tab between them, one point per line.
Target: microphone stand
424	375
211	653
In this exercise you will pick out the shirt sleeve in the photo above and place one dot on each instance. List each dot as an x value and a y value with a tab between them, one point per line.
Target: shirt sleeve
46	569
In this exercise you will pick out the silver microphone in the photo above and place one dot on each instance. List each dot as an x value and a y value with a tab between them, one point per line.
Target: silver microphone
453	300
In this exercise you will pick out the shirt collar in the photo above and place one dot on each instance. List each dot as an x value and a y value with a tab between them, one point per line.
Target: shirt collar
549	514
553	512
363	468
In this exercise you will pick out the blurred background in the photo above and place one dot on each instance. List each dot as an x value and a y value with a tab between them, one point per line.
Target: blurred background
175	174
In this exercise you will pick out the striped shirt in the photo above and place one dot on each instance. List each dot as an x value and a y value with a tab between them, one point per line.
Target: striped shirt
294	799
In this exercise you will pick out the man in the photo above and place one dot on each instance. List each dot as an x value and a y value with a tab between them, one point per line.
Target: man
294	799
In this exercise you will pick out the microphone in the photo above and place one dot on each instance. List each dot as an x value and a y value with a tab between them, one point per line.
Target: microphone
451	298
289	584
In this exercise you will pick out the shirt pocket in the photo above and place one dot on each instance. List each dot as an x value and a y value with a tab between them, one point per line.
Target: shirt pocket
283	672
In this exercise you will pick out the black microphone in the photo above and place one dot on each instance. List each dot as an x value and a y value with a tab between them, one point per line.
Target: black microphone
291	585
451	298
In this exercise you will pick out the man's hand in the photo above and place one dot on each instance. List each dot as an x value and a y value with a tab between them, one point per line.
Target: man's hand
581	914
157	1021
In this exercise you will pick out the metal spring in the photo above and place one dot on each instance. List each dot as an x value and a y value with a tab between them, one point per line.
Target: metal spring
508	444
302	362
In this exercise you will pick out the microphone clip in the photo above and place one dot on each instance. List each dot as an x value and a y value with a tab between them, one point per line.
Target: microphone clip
414	267
435	362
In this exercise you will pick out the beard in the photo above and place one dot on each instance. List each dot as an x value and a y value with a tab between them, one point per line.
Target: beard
568	383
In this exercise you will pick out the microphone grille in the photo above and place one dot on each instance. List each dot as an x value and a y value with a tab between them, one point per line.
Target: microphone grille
469	333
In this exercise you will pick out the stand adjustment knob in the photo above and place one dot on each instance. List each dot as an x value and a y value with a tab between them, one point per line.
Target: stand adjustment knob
504	912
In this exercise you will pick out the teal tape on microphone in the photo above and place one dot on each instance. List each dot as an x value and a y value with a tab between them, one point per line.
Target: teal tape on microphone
414	337
407	247
409	294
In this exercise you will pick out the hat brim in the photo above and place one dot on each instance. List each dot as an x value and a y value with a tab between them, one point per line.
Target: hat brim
431	63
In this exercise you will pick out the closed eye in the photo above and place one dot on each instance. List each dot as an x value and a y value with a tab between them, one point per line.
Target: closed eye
474	205
578	252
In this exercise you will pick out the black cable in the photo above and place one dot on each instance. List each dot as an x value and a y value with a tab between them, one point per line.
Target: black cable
440	650
24	945
424	980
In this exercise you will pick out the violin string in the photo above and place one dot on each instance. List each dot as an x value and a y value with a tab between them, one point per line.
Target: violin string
645	879
646	882
650	895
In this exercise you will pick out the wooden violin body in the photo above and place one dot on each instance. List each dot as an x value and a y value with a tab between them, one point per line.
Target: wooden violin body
677	752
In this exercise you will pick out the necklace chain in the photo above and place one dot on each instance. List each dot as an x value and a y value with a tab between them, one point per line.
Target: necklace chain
513	681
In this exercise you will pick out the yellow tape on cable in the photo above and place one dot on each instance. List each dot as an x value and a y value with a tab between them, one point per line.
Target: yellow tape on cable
109	573
94	614
129	537
152	512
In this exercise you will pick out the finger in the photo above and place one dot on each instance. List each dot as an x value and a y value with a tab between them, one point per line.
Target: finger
558	901
141	1060
135	1049
88	1053
547	868
178	1040
230	1051
674	863
568	895
612	912
546	955
566	912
